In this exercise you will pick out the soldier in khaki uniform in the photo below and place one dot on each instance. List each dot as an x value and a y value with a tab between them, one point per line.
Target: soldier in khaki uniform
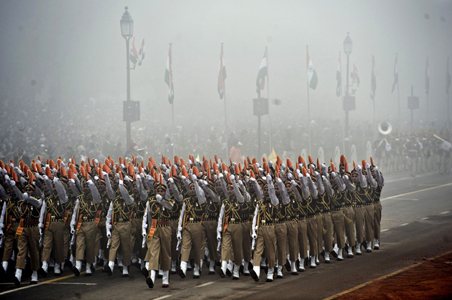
376	177
83	223
190	227
157	232
119	223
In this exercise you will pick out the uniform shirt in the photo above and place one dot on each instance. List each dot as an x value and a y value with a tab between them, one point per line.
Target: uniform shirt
211	209
194	210
87	207
158	211
293	209
54	207
265	213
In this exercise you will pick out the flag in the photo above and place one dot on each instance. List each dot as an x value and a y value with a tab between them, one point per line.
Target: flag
169	77
133	53
354	75
312	75
272	157
395	80
339	77
373	80
141	54
427	78
262	74
221	74
447	77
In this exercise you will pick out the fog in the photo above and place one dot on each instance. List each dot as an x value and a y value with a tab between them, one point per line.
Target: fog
69	56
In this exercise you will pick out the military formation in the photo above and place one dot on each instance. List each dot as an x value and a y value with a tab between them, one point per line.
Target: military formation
176	216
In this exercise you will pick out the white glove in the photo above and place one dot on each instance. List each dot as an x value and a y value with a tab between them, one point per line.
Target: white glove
127	178
104	173
376	169
293	182
72	180
55	179
367	166
45	177
25	194
142	175
253	179
220	175
90	182
117	175
121	182
269	177
62	164
122	166
171	180
96	178
149	177
232	177
95	161
278	180
12	182
190	162
359	167
23	180
159	198
194	177
270	163
11	165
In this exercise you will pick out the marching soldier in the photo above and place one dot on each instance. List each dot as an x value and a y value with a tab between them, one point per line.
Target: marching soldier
376	176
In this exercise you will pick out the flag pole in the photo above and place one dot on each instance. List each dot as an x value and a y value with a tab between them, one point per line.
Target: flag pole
268	96
398	90
309	112
225	114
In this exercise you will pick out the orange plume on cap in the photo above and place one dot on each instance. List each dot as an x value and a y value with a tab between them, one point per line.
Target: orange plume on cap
101	176
300	159
107	161
88	168
224	167
211	163
130	170
31	178
204	158
142	164
255	169
264	166
216	158
71	174
33	167
15	177
318	164
120	160
372	161
264	160
252	174
48	173
184	172
140	169
106	169
2	165
311	171
277	174
332	166
215	169
305	172
118	169
82	163
289	163
120	176
363	163
149	166
268	170
354	165
52	164
63	171
230	161
89	161
205	166
173	172
152	161
343	160
229	179
208	174
248	159
236	169
240	167
254	160
39	158
278	160
182	162
277	168
310	159
176	160
74	170
196	171
295	174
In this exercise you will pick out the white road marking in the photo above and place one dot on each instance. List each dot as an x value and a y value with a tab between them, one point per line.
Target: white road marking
163	297
404	224
423	190
406	199
80	283
18	289
444	212
384	230
205	284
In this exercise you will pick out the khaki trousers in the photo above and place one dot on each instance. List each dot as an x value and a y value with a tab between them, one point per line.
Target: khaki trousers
121	237
369	213
338	222
210	232
303	237
86	239
281	242
231	243
159	249
192	238
136	243
319	219
9	242
312	236
54	239
292	238
246	238
28	243
359	216
266	239
67	237
349	222
327	231
377	219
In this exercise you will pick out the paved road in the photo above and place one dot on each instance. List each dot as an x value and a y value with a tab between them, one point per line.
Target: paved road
416	224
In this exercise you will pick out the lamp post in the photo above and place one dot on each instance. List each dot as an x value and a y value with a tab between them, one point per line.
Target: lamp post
348	45
127	32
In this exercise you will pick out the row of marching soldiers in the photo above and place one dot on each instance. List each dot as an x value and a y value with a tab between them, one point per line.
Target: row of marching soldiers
168	217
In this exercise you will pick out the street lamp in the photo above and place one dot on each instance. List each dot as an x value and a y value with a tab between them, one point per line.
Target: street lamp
127	32
348	102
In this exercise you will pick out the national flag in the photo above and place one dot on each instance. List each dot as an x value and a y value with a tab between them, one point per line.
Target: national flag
221	74
169	77
354	75
339	77
262	74
427	78
312	75
141	54
447	77
373	80
395	80
133	53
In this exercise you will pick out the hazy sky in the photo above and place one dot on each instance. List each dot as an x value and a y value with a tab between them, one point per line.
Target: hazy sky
74	51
